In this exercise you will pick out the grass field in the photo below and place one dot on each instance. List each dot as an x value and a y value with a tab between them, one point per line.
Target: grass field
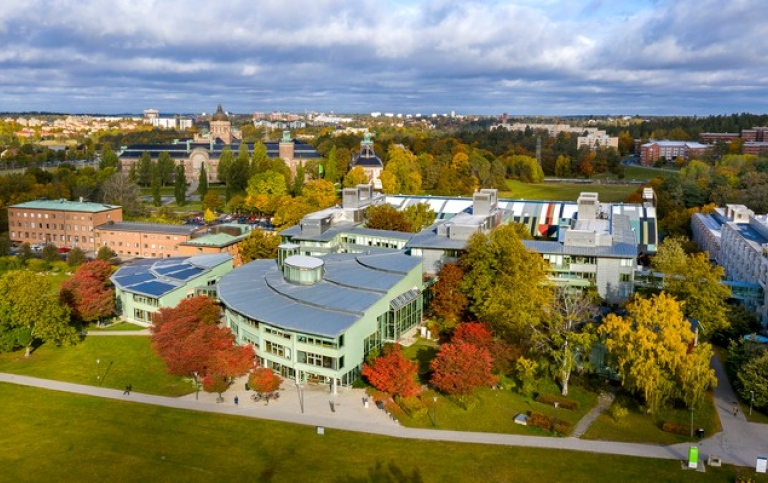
638	427
565	192
122	361
80	438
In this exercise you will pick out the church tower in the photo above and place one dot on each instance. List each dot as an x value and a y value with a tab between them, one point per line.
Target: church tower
221	126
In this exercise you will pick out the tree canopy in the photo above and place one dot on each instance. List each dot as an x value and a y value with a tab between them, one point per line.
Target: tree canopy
259	244
393	373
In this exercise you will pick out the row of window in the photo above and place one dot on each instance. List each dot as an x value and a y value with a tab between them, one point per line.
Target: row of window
61	216
302	357
151	237
145	300
48	226
51	238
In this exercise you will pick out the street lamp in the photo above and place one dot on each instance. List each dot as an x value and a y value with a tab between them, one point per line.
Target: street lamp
197	386
434	411
300	391
692	409
98	371
554	425
751	401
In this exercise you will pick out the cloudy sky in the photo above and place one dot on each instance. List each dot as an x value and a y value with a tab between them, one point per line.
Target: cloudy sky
549	57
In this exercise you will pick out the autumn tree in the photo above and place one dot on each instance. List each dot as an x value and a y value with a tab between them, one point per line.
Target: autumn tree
291	211
118	189
259	244
448	301
89	293
461	367
189	341
653	346
209	216
217	383
419	216
393	373
264	380
505	283
692	279
354	177
401	175
266	191
565	333
32	312
386	217
319	193
212	201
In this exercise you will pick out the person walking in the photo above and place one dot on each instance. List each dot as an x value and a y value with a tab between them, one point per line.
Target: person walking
236	400
735	409
127	391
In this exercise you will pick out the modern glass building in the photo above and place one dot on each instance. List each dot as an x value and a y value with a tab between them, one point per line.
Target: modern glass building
316	319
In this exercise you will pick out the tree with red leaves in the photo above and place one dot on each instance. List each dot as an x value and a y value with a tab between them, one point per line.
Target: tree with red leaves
215	383
461	367
475	333
89	293
392	372
449	303
264	380
189	341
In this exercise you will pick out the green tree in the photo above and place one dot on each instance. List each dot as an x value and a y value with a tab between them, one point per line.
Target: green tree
165	168
30	307
50	254
156	184
563	167
298	180
291	211
386	217
259	159
751	380
108	158
180	186
331	169
105	253
225	162
259	244
355	176
238	173
24	253
202	182
212	201
695	281
505	283
144	169
75	257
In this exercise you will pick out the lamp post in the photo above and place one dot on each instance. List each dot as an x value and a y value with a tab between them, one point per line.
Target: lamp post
300	390
691	408
434	411
751	401
98	371
197	386
554	424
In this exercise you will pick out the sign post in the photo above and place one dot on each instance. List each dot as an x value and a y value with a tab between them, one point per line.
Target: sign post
693	457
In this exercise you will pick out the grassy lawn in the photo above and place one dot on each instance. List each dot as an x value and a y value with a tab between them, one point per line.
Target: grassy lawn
122	361
57	273
489	410
80	438
565	192
638	427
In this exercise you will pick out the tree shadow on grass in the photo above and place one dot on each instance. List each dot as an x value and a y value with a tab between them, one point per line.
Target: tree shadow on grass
424	357
391	473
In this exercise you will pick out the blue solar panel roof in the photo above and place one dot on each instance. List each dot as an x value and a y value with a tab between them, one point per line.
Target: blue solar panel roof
154	288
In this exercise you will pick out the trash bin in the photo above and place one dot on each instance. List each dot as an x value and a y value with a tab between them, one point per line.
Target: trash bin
700	433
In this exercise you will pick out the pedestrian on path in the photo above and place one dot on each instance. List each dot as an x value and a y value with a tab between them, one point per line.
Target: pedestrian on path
236	400
735	409
127	391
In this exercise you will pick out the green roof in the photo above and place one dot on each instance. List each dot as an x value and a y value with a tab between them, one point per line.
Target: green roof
215	240
64	205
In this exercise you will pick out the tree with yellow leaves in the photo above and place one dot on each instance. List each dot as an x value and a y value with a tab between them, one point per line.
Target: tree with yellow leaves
653	346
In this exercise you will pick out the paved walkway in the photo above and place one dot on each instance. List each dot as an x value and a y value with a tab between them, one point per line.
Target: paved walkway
740	442
603	402
99	333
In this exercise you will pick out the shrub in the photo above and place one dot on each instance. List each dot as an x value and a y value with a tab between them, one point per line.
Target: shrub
412	406
676	428
618	412
546	423
563	403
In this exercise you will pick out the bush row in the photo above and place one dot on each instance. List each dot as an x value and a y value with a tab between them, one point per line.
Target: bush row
562	402
546	423
676	428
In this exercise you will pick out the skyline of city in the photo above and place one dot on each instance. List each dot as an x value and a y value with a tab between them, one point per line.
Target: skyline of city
523	57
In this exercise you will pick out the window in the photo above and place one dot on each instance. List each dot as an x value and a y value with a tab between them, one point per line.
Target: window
277	349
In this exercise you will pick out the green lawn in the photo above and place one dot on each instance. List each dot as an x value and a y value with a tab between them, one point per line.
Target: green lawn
81	438
490	410
638	427
122	361
565	192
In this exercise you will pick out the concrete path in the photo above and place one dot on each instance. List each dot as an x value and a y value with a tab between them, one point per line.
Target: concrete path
603	402
740	443
99	333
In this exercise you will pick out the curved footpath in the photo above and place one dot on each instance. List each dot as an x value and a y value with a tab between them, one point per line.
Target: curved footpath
739	443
